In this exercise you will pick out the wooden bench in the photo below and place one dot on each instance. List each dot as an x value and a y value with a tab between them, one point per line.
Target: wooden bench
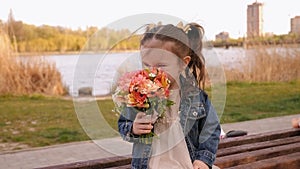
278	149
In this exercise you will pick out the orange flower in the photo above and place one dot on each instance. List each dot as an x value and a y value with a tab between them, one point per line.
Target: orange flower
142	89
135	99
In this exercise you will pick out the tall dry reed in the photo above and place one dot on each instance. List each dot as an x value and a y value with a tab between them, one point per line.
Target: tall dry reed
268	64
31	77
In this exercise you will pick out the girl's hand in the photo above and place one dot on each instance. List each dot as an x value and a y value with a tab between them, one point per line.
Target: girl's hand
141	124
296	122
197	164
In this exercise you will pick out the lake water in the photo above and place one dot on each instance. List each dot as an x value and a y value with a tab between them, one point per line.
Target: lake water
99	70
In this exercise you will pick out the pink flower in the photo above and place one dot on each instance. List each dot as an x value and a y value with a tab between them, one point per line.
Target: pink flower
141	89
125	80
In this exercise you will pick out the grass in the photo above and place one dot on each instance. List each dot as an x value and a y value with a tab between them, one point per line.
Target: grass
249	101
40	121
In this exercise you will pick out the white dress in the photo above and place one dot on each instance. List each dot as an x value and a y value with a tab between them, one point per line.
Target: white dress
169	149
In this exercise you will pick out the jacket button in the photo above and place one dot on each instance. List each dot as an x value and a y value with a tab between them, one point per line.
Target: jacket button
195	113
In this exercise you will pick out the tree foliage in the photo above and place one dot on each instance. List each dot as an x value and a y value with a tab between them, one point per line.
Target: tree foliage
45	38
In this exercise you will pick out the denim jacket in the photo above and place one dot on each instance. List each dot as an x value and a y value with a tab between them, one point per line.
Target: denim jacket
199	122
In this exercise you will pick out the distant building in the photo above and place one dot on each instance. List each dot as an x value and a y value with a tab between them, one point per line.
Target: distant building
295	25
255	20
222	36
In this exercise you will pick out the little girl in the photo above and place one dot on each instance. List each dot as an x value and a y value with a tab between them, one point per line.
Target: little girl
188	136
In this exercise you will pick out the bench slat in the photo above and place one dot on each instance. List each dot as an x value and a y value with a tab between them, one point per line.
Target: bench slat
290	161
121	167
236	141
94	164
252	156
256	146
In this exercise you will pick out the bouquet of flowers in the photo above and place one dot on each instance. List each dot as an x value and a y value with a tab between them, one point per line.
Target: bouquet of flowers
145	90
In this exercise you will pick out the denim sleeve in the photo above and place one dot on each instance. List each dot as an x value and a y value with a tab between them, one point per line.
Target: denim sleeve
125	123
209	137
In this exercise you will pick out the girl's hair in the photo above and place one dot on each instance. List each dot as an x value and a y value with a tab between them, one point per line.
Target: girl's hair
187	42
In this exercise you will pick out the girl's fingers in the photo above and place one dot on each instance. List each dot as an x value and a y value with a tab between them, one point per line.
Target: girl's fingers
139	132
144	126
145	131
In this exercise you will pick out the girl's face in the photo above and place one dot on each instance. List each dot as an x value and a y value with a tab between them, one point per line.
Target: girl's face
156	53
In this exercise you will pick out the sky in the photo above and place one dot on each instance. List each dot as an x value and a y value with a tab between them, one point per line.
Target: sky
214	15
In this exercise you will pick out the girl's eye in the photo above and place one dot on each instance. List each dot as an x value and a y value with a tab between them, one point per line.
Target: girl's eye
158	65
161	65
146	65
